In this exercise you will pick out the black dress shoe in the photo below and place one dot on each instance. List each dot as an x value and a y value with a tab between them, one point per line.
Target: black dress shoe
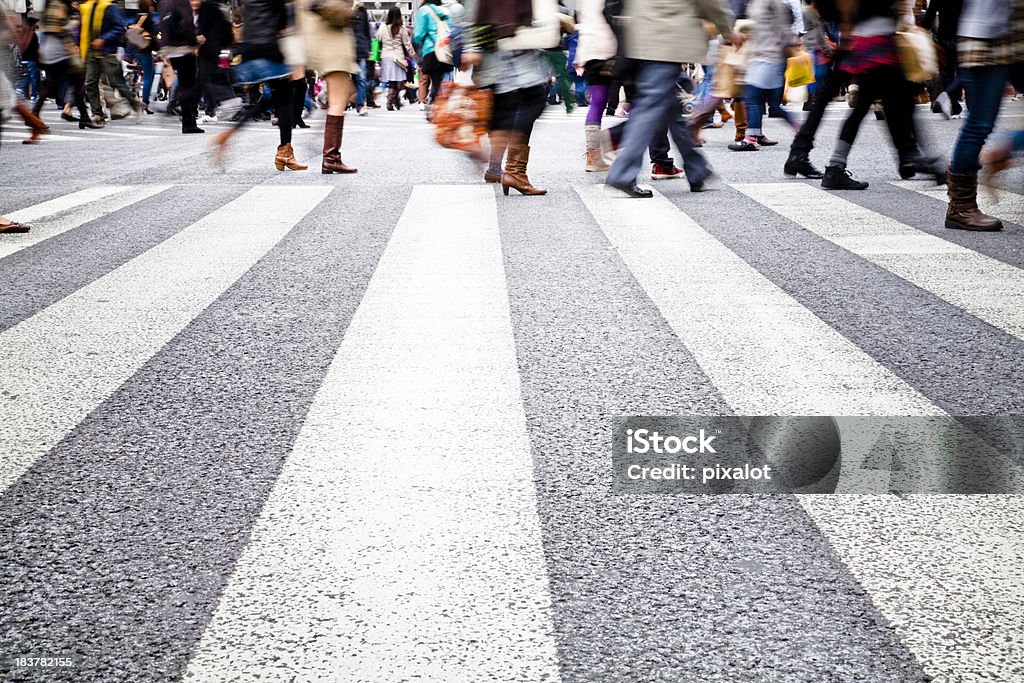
68	117
635	191
191	131
83	124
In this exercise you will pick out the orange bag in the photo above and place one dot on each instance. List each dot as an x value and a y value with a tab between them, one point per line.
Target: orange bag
462	115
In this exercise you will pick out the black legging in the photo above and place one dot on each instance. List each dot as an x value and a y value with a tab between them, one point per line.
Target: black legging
282	91
889	85
57	76
435	71
188	93
518	110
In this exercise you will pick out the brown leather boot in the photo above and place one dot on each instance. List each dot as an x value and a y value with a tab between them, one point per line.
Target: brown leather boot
499	143
963	212
595	162
285	158
333	134
515	176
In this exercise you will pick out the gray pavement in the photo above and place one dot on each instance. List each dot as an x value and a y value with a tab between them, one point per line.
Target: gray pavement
200	380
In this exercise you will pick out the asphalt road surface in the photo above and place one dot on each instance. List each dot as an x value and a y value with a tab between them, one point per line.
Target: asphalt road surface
292	427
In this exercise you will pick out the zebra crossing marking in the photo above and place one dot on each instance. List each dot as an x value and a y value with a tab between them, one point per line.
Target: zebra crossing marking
55	217
980	285
402	538
64	361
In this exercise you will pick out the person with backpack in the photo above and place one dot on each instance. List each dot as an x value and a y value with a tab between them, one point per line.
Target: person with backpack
179	44
431	35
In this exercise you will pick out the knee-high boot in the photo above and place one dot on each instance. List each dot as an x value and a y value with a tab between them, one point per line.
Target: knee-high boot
333	134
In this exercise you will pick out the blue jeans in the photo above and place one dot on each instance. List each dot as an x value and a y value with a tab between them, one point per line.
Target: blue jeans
654	108
29	85
755	98
984	86
360	79
145	60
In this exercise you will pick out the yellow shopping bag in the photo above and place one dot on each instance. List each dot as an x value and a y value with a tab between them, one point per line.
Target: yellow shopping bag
799	70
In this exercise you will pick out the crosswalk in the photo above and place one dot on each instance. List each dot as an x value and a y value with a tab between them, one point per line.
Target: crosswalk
413	527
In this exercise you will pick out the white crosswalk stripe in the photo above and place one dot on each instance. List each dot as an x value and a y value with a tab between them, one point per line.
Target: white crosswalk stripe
54	217
988	289
403	533
402	537
65	360
769	355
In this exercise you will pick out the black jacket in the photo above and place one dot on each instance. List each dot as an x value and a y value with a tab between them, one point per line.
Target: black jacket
176	27
216	28
361	27
262	20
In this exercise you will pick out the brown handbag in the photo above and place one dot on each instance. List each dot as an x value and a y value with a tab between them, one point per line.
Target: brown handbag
337	13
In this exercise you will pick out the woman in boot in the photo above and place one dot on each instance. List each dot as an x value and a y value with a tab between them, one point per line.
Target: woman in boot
594	55
56	57
991	39
8	97
264	62
395	44
518	77
331	50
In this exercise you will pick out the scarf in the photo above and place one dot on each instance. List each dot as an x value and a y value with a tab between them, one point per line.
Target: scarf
506	16
92	22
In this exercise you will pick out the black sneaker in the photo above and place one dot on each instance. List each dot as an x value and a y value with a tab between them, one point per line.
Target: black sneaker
744	146
796	166
838	178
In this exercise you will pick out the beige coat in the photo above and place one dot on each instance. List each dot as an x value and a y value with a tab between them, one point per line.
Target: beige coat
328	49
673	30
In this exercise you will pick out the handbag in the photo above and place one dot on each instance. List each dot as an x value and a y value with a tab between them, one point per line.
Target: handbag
462	114
799	70
76	65
136	36
918	56
337	13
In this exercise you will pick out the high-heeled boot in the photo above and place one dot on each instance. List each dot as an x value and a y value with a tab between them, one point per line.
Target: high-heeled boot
334	133
285	158
499	143
515	176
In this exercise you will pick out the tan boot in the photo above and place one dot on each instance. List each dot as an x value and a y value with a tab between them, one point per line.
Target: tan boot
334	131
963	212
515	176
285	158
499	143
595	160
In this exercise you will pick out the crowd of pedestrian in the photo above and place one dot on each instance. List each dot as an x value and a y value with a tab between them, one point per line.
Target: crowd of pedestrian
669	69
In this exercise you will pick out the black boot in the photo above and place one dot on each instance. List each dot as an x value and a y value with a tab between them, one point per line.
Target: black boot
801	165
838	178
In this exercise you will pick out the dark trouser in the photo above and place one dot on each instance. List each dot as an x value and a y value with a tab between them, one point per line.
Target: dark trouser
436	71
97	65
57	77
518	110
298	99
655	107
985	93
755	99
889	85
188	92
824	93
213	84
282	90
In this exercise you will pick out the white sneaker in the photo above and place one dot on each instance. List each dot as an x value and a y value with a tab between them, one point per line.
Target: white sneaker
205	118
362	112
1017	98
423	106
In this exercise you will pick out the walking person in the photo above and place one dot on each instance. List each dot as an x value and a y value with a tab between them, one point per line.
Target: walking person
595	54
361	29
518	75
395	46
870	56
264	62
428	35
9	100
659	37
991	40
59	58
331	50
144	55
103	25
179	46
213	33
